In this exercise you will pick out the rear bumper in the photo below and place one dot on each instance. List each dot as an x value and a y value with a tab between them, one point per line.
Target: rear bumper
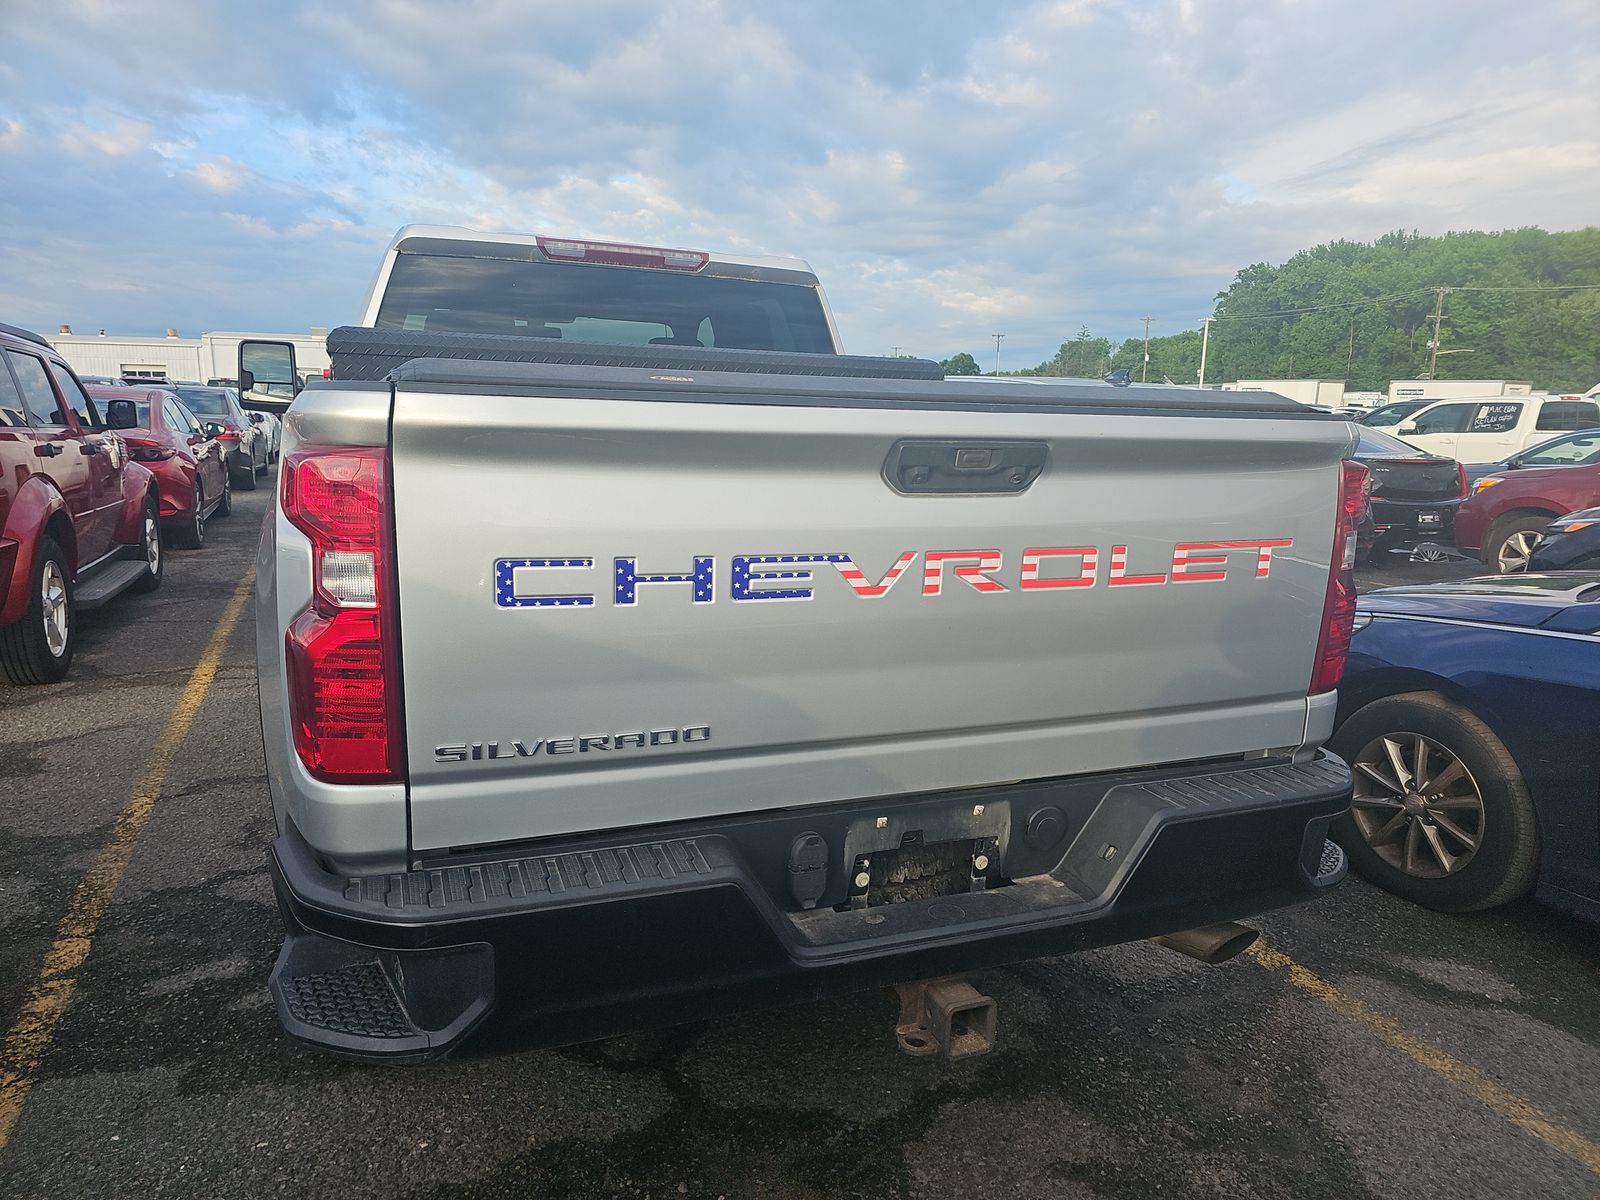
1404	522
594	936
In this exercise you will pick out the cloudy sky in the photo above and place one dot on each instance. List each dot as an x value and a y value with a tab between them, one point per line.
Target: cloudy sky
950	170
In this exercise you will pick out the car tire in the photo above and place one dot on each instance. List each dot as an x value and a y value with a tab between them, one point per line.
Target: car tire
226	507
247	477
1399	844
32	651
1511	540
191	535
152	549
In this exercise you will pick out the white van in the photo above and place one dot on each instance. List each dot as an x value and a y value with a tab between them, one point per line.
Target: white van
1490	429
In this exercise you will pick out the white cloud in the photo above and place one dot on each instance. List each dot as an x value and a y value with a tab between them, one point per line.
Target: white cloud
952	170
124	136
220	175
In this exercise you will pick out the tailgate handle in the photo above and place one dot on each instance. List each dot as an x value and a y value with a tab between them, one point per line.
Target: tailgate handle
963	468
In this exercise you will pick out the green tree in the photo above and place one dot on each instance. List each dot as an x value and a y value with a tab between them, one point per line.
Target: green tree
961	364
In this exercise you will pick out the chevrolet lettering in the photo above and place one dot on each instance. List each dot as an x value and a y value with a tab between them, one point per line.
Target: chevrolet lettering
792	576
998	668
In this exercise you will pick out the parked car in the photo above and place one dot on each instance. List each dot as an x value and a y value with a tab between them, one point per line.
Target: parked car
1414	495
1504	516
245	442
1387	416
1570	543
1468	711
1494	428
79	521
271	426
1566	450
189	464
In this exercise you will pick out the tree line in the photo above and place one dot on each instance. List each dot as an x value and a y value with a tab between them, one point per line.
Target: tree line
1515	308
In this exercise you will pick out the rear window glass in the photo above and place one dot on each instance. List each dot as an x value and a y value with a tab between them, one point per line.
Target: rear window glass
601	304
1375	444
212	402
1569	414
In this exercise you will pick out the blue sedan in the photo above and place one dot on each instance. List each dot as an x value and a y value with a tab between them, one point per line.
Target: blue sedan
1470	714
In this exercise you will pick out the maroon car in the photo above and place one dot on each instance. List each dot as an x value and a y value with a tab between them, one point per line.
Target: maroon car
1506	515
79	522
190	465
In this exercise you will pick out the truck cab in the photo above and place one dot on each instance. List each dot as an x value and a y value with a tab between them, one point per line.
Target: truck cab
1490	429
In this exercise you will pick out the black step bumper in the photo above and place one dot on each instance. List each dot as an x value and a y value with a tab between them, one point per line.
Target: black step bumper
593	936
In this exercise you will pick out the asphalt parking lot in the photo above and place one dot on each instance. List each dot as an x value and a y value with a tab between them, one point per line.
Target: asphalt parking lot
1368	1049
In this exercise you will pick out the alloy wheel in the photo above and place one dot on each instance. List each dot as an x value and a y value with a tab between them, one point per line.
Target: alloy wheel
1417	805
152	542
1515	550
53	603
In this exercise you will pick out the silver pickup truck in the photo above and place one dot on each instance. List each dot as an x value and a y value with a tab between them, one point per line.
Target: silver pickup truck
628	653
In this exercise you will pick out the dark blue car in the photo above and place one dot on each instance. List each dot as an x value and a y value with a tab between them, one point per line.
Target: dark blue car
1470	713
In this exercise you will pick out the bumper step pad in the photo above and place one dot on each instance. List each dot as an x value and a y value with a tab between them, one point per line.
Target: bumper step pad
357	1001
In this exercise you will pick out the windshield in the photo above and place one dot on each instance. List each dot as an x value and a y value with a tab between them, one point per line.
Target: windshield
1582	451
601	304
1393	414
208	402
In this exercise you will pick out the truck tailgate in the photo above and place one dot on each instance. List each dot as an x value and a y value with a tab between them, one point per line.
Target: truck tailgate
617	612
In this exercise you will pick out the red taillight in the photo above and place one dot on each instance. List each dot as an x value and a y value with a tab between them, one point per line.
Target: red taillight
344	702
1339	606
150	453
612	254
228	435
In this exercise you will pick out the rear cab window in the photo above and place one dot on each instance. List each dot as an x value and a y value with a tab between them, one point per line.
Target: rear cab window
1569	414
588	302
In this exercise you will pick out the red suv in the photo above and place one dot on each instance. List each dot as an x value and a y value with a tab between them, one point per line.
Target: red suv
79	522
1505	516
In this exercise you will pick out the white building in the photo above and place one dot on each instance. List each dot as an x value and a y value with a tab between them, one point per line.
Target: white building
209	356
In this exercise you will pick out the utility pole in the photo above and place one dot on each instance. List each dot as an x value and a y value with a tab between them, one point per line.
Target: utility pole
1350	358
1205	343
1144	374
1438	316
894	351
998	338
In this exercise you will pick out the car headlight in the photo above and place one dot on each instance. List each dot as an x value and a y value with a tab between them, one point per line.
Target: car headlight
1488	481
1575	521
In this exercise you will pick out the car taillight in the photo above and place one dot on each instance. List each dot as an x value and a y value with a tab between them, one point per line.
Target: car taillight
344	702
150	453
612	254
1339	604
228	435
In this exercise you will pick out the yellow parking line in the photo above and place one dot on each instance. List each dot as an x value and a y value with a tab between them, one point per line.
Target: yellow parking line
29	1037
1506	1104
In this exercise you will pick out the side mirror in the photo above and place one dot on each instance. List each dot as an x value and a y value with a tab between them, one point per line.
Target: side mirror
1408	427
267	378
122	414
213	429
